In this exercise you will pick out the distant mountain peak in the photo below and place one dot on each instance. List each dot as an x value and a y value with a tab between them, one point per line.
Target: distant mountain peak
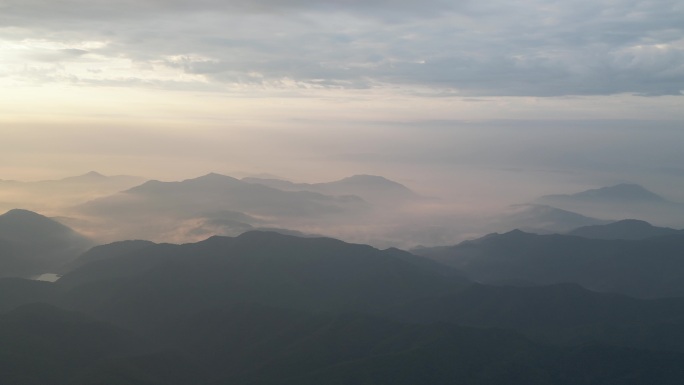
623	191
632	222
266	235
21	214
624	229
365	178
93	174
363	184
87	177
212	177
513	234
16	219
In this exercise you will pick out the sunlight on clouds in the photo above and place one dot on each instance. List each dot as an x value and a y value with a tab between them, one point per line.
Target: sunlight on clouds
29	44
85	63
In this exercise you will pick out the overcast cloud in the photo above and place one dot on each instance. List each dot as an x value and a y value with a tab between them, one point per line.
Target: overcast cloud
495	48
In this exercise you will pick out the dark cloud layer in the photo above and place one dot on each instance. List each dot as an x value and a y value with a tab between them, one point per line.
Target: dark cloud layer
494	48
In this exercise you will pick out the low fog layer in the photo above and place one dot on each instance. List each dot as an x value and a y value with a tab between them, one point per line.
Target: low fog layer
361	208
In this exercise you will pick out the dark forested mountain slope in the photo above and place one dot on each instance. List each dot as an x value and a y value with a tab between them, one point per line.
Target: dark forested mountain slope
31	244
565	314
15	292
317	274
259	345
41	344
112	250
643	268
266	308
252	344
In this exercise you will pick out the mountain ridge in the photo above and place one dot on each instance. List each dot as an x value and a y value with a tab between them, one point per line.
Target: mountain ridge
623	192
633	229
645	268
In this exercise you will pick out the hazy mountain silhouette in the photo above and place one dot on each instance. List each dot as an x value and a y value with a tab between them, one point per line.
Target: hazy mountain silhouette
228	193
213	204
372	188
622	201
32	244
625	229
541	219
643	268
624	192
58	194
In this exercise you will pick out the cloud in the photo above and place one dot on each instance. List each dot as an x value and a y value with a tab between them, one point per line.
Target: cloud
531	48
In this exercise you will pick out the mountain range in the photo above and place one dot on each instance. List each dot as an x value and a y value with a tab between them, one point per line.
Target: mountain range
213	204
361	208
371	188
54	195
220	192
266	308
599	302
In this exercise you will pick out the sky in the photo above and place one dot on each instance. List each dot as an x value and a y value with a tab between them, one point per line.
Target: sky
477	97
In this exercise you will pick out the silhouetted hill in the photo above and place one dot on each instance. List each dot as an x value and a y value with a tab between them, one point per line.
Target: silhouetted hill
31	244
625	229
643	268
23	226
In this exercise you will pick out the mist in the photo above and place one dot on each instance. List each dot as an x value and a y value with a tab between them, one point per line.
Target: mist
467	177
